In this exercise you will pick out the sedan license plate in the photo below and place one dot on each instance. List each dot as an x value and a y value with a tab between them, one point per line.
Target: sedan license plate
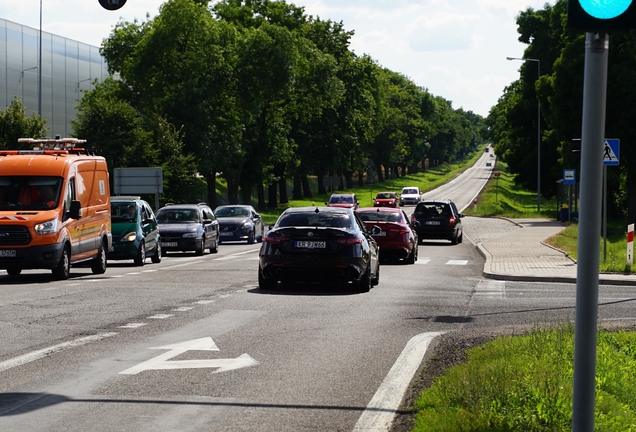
226	234
8	253
431	223
311	244
168	244
380	234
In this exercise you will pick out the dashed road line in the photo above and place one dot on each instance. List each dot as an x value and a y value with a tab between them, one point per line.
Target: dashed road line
133	325
45	352
161	316
183	309
457	262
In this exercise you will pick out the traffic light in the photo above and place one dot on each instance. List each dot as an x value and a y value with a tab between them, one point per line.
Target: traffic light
602	16
112	4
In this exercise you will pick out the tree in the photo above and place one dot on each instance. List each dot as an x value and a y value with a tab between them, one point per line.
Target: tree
15	124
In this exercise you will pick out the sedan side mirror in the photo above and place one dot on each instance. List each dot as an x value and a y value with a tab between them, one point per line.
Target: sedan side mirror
375	230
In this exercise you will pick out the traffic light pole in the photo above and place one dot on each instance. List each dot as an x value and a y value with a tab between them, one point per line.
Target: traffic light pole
592	137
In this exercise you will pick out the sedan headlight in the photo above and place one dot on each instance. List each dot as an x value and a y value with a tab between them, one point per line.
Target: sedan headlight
247	226
129	237
190	235
48	227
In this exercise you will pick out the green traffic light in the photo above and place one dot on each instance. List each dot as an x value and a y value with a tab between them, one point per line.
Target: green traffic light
605	9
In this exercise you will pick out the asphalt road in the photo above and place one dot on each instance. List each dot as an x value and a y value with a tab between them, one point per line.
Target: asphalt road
192	344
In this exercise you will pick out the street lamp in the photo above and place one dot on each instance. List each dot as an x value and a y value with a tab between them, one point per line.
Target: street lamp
538	130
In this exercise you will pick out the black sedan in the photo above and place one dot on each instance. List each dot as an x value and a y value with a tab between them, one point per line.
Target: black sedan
239	223
439	220
322	245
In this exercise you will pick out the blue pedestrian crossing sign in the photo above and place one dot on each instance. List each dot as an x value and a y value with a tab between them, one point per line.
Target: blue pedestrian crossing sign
611	152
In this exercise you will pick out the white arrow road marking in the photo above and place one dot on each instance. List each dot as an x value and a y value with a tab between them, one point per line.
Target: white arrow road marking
203	344
380	412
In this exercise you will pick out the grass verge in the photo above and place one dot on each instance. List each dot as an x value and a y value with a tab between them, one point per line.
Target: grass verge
524	383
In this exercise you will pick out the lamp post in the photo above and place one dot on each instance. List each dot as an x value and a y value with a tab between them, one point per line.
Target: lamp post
538	130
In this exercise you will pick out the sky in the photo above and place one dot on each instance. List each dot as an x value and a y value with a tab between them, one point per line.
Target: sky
456	49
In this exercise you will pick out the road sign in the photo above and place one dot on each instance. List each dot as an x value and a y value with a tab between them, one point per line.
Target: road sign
611	152
163	362
569	176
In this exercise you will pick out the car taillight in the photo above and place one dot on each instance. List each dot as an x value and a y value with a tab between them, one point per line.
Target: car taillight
413	218
275	240
348	241
451	221
403	231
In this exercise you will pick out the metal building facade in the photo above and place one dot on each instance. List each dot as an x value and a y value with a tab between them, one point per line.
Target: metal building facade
68	68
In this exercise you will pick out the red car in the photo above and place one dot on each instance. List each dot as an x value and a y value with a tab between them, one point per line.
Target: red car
397	237
344	200
386	199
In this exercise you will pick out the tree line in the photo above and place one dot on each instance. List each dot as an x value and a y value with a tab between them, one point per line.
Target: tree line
512	122
258	93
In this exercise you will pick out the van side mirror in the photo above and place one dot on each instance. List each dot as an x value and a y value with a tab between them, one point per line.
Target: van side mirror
76	210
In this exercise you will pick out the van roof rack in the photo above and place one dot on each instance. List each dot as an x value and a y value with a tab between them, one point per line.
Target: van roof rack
52	143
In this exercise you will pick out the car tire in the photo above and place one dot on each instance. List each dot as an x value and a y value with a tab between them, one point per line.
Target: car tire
264	283
376	280
215	249
461	238
14	271
156	257
454	240
140	259
364	284
200	247
252	238
63	269
98	266
412	256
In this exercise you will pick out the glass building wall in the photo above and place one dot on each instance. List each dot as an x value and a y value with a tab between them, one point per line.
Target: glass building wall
68	68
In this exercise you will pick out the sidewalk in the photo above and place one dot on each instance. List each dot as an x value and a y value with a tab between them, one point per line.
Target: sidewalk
523	256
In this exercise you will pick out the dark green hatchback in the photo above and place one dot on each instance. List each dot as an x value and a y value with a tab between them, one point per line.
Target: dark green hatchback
135	231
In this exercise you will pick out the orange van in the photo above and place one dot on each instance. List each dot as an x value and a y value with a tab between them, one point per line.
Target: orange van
54	208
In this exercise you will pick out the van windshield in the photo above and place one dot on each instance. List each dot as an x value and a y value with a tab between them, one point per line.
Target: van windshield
29	192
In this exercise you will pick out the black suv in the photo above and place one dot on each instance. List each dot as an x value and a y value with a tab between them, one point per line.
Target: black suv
188	227
438	220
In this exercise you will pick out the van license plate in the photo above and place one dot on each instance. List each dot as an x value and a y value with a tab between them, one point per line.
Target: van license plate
431	223
8	253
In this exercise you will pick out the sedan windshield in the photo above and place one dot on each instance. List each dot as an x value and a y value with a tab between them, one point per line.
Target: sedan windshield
231	212
323	219
381	217
177	216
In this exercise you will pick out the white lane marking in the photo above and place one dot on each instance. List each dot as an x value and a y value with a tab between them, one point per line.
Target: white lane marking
380	412
117	276
422	261
492	288
457	262
182	264
133	325
162	362
203	302
149	271
236	255
183	309
45	352
161	316
133	273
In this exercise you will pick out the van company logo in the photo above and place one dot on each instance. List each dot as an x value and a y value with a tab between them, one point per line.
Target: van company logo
310	234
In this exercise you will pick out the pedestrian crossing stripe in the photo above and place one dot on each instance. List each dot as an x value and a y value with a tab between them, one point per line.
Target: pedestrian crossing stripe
423	261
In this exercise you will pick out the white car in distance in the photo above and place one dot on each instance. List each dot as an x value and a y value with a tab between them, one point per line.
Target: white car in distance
410	196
